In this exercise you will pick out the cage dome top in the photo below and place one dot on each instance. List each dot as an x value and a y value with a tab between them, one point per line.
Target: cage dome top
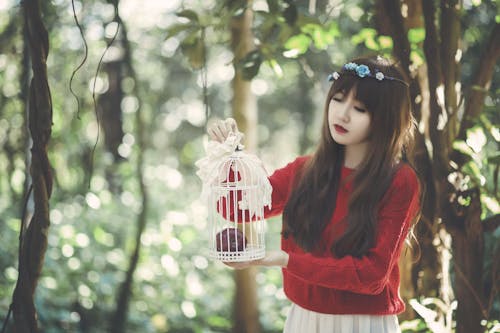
227	164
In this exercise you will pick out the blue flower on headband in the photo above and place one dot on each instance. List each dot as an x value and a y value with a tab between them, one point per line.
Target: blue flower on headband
351	66
362	71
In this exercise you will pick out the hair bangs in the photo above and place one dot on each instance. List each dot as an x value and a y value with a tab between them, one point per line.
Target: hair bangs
344	84
371	93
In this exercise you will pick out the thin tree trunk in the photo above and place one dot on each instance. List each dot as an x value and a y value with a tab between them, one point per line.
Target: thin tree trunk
468	249
482	81
246	313
33	237
420	278
119	319
450	36
109	108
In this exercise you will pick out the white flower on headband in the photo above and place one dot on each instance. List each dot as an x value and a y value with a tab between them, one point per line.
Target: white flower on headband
333	76
379	76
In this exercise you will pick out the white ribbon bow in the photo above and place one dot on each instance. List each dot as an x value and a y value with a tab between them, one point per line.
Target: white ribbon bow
253	198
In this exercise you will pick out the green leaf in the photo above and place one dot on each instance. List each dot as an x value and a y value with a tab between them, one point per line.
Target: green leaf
334	30
189	14
372	44
363	35
417	57
299	43
320	35
385	42
492	204
276	67
416	35
472	169
463	147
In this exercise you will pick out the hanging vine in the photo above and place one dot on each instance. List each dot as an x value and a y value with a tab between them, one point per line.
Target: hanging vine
33	234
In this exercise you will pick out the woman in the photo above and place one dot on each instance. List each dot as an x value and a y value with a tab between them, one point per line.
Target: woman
348	208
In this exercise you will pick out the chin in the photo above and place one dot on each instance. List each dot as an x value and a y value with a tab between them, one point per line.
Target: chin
338	139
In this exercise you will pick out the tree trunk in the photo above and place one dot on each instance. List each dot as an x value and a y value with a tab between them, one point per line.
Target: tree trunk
33	237
482	81
110	111
110	108
464	222
420	278
246	313
468	249
450	37
119	318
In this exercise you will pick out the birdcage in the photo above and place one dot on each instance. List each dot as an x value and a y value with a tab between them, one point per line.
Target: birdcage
236	189
237	196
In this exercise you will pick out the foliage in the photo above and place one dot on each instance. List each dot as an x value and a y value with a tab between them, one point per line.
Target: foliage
177	288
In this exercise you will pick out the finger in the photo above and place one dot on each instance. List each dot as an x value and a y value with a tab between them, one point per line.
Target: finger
225	130
231	125
214	134
219	133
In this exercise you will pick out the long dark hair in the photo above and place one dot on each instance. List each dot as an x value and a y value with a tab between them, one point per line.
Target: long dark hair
311	203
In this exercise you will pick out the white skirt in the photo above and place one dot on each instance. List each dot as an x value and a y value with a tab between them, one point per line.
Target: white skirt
300	320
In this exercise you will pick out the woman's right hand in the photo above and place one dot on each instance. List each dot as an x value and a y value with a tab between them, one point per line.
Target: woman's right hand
219	130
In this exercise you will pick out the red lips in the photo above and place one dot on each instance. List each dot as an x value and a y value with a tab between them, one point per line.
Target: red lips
340	129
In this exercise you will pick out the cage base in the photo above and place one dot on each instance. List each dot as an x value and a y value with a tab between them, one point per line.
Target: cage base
248	254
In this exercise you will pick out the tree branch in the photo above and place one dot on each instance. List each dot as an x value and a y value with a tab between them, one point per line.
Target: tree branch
482	82
436	106
450	35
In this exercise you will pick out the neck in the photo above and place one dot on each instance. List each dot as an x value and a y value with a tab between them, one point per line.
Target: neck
355	154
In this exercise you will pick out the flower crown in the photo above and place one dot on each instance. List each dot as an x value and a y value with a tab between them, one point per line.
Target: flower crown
364	71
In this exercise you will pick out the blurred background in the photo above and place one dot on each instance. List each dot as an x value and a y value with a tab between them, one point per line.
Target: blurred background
132	87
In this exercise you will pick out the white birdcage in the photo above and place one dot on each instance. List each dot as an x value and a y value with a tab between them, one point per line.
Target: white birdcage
236	189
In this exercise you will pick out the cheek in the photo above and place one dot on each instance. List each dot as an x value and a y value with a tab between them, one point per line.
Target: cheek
330	113
366	126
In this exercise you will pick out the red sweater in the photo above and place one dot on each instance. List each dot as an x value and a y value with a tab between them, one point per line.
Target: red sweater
350	285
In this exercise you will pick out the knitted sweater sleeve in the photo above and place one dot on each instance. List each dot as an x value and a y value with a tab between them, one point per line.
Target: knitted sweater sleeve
281	181
370	273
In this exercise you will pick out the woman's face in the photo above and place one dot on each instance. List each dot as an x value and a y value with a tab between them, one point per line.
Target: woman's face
349	120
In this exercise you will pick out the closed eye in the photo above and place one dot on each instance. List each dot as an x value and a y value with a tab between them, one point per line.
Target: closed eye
338	97
360	109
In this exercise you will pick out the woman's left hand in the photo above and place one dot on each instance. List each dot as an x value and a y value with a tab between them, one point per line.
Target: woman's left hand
272	258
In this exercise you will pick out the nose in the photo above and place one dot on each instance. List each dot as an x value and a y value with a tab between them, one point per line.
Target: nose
344	112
